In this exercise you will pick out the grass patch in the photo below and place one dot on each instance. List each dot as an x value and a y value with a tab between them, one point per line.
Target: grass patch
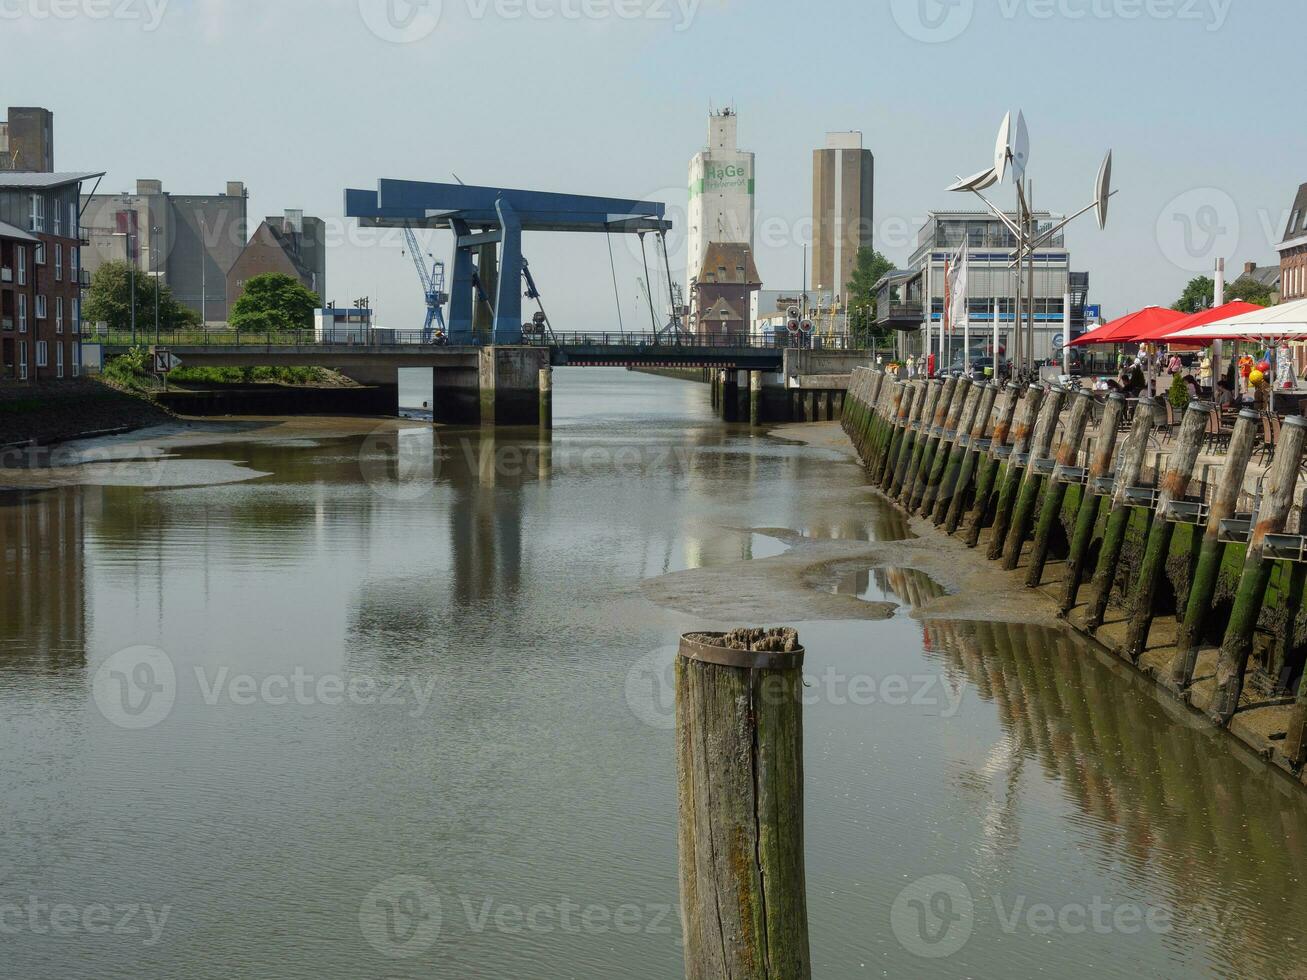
248	375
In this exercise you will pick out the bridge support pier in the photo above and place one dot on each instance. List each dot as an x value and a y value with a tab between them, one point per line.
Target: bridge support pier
546	397
509	384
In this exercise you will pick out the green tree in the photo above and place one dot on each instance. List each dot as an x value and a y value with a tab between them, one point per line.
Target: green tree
860	294
1250	291
109	299
1198	295
274	302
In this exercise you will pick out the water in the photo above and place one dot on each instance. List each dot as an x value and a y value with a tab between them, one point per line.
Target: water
417	725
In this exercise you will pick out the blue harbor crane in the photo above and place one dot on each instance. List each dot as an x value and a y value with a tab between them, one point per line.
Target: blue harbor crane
433	289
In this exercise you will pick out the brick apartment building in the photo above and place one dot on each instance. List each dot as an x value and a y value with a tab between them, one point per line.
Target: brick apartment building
1293	250
40	275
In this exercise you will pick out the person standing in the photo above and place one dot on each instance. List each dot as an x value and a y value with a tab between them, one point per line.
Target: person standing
1205	371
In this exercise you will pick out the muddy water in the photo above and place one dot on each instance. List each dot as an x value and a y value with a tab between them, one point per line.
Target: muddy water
314	701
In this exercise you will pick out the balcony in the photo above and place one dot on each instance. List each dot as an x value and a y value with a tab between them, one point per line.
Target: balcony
900	316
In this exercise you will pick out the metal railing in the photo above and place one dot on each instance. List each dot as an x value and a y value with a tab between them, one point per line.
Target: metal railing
734	341
386	338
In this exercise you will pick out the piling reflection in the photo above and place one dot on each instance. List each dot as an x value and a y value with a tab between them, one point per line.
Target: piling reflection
1223	839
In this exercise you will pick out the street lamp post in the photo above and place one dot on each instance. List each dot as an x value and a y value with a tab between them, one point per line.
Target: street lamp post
129	246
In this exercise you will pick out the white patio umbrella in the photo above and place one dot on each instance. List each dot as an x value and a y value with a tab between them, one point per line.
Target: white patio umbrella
1288	321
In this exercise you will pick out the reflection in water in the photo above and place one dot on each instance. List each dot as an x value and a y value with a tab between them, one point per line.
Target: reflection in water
906	585
43	580
1170	805
502	579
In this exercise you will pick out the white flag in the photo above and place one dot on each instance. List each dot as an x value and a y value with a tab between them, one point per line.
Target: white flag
958	286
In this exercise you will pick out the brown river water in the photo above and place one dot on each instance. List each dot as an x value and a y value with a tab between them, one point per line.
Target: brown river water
322	699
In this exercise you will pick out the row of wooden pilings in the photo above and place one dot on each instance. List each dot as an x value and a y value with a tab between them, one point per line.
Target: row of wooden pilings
1043	464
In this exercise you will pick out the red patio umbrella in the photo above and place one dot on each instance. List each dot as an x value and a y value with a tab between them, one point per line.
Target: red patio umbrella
1200	319
1128	329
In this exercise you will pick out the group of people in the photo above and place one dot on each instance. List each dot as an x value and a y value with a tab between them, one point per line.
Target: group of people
1135	379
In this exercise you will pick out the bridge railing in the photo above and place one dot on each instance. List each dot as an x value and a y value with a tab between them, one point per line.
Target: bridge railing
734	341
227	337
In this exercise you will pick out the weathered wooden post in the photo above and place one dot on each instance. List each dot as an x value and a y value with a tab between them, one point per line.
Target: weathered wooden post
920	436
953	462
739	748
1212	553
970	457
1174	486
755	398
1032	481
1022	435
963	393
1067	458
898	403
918	396
933	429
1128	466
1277	499
1100	465
990	464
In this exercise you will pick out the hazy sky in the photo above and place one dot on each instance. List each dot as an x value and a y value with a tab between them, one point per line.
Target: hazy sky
302	98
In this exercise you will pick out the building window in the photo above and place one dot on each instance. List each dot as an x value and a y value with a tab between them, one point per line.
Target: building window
58	263
40	253
36	216
20	258
58	360
22	360
77	316
58	314
22	313
74	261
58	222
40	306
72	220
77	360
42	354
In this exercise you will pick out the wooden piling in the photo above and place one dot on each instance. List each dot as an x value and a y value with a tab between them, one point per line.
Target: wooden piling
1041	447
944	444
1128	466
933	431
1055	496
1277	498
1212	552
956	450
917	402
1022	435
899	405
1174	486
920	437
970	458
989	464
1100	465
739	745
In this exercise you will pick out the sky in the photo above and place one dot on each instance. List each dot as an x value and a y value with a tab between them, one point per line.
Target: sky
1198	99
